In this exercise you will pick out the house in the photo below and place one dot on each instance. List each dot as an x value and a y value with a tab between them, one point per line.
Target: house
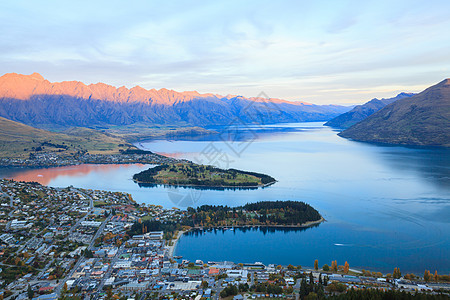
237	273
51	296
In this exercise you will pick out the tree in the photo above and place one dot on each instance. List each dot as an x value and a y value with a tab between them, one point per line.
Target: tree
109	294
30	292
191	265
334	266
290	267
346	268
337	287
312	296
316	265
303	289
204	284
427	276
326	268
397	274
436	276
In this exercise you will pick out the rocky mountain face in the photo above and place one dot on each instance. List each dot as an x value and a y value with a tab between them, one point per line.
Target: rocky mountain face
32	100
423	119
360	112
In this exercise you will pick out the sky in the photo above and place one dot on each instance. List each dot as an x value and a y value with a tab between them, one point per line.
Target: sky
323	52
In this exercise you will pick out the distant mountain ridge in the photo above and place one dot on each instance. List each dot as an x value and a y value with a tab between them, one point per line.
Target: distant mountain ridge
423	119
32	100
360	112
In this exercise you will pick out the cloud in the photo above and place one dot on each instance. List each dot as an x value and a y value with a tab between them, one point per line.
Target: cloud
321	51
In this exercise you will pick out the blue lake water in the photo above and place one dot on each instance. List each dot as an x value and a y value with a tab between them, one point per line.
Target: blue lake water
385	206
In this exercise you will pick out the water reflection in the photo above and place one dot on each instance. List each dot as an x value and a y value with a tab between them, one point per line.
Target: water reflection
243	229
432	164
46	175
201	188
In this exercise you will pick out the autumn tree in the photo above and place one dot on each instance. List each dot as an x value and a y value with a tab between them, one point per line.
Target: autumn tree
316	265
397	274
346	268
109	294
204	284
334	266
64	290
436	276
427	276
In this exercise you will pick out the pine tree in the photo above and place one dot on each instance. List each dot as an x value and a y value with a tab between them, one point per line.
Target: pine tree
30	292
303	289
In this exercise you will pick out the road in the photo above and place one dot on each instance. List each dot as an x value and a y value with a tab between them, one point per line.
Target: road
109	271
81	259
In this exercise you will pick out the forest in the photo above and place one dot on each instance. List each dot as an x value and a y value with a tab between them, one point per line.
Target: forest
275	213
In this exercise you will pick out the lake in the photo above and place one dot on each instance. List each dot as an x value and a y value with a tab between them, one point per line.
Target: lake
385	206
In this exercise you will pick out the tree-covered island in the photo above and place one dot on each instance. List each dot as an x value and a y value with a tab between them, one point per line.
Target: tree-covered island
190	174
264	213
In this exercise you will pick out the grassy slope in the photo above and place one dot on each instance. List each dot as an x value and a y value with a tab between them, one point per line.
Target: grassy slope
138	131
171	177
15	137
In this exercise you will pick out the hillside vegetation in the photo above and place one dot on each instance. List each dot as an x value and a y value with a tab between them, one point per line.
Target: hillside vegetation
423	119
361	112
18	140
201	175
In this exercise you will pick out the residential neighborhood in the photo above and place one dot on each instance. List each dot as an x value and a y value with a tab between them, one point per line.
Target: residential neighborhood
73	243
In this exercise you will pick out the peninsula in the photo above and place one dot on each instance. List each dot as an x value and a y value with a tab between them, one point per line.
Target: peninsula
191	174
263	213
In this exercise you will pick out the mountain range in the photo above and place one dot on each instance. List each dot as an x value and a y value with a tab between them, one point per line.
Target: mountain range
32	100
360	112
422	119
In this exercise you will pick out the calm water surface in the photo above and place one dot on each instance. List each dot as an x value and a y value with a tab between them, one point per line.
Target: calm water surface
384	206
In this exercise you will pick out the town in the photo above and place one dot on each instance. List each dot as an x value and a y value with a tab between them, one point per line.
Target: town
74	243
55	159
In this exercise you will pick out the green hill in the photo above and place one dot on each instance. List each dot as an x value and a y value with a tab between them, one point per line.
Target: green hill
18	140
423	119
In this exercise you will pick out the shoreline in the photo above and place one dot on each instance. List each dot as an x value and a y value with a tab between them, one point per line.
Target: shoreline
209	186
303	225
171	249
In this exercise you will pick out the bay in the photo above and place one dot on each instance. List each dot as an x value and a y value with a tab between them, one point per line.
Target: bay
385	206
